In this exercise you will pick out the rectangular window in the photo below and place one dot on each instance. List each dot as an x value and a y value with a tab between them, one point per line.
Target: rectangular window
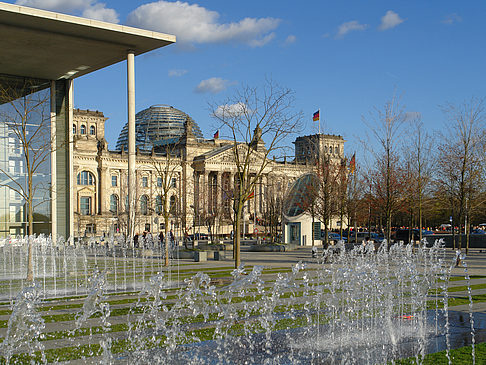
159	182
90	228
144	181
85	205
114	180
173	183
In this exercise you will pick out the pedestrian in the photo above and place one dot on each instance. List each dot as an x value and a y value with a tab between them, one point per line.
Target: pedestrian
135	240
314	252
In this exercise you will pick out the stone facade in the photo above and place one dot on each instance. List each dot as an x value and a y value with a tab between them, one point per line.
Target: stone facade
200	190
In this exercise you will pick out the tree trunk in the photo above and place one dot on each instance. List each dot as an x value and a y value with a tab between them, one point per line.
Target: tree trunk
237	238
30	262
166	238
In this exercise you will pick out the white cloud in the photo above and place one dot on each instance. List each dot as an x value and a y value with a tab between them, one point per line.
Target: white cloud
192	23
213	85
86	8
177	73
351	26
390	20
452	18
57	5
290	39
99	11
231	110
262	41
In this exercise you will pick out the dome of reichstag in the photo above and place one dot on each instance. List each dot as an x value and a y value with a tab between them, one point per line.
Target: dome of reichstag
156	126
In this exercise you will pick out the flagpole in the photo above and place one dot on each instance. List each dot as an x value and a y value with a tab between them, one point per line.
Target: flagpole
319	120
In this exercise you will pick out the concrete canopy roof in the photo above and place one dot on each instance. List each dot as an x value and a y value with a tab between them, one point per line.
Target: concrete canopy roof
51	46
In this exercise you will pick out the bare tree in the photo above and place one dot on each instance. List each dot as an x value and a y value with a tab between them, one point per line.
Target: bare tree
326	192
256	121
127	222
26	116
386	173
353	196
462	155
418	155
272	215
167	165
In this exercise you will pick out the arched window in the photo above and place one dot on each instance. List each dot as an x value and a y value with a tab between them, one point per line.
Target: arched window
144	204
330	149
114	203
92	130
126	203
158	204
83	129
85	178
74	129
172	207
336	150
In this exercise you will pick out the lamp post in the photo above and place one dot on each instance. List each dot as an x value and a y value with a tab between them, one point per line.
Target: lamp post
196	212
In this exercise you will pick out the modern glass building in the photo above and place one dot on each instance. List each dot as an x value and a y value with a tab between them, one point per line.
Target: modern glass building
156	126
42	53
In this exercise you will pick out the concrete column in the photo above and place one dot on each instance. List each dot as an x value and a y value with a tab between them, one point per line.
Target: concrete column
53	164
69	123
131	140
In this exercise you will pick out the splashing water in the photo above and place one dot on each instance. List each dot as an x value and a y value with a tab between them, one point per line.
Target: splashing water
361	306
25	325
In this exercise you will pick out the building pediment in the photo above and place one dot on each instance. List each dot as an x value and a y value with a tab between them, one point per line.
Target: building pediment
225	155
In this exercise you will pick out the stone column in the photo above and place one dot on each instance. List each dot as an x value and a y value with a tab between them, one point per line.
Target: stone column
75	203
205	185
101	190
219	189
131	139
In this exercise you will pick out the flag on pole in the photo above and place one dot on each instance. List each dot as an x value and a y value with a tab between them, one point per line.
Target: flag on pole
216	135
251	196
352	164
315	116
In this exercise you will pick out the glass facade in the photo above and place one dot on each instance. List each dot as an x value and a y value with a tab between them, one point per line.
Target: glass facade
24	127
155	126
301	195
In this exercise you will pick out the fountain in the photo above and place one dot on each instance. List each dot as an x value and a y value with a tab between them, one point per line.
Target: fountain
62	269
359	306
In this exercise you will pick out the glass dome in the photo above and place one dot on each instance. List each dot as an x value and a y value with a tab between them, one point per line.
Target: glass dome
300	195
155	126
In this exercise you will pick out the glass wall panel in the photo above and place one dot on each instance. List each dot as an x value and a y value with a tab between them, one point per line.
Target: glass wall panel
24	152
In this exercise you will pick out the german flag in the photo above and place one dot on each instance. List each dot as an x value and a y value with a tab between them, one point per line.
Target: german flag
315	116
251	196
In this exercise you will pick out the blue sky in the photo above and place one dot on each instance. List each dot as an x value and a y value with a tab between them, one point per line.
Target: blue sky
344	57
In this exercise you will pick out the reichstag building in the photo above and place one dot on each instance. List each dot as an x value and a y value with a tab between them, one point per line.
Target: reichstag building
202	176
